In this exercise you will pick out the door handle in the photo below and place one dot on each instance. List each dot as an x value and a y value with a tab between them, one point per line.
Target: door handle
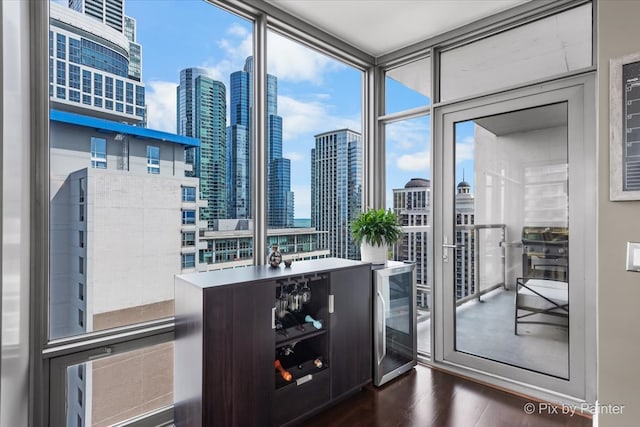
452	246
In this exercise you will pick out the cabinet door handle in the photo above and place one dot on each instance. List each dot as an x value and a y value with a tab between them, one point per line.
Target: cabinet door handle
273	318
331	304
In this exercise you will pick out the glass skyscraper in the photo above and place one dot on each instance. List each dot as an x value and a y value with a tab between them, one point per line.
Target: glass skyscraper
201	113
336	190
280	197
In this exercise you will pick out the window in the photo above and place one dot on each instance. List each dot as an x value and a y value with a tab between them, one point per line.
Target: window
188	194
79	390
86	81
98	153
81	190
153	159
61	46
60	93
188	238
129	205
86	99
74	95
74	51
108	87
61	71
74	76
129	93
119	90
188	260
314	174
140	96
188	217
97	84
50	43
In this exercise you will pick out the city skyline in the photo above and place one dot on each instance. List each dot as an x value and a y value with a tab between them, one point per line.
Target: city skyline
317	94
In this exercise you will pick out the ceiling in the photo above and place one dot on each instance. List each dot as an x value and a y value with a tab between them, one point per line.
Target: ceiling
378	27
544	117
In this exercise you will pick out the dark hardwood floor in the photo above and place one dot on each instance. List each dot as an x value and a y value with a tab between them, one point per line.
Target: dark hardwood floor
428	397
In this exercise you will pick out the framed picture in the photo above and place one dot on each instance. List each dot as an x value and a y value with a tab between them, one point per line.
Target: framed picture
624	123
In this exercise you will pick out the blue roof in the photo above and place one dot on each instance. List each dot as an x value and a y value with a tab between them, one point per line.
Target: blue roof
123	128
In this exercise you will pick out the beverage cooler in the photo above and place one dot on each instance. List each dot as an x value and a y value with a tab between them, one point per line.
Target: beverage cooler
394	320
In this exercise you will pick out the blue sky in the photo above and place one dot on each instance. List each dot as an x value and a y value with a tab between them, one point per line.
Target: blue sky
316	93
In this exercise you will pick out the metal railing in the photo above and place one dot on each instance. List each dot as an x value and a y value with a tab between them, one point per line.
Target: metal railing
498	252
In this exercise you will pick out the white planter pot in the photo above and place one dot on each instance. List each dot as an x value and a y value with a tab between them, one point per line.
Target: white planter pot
373	254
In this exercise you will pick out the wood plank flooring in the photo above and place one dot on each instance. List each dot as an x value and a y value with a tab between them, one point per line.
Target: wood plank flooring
428	397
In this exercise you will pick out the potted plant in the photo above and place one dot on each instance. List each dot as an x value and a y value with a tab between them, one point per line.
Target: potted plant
375	230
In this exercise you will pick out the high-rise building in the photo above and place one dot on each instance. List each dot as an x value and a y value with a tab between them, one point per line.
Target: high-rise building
239	144
109	12
280	198
120	202
202	113
336	189
135	49
465	240
412	205
89	66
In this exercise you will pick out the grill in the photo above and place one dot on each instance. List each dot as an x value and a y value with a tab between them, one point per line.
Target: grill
545	253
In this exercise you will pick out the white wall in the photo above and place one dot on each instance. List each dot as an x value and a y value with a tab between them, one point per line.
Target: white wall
500	182
618	222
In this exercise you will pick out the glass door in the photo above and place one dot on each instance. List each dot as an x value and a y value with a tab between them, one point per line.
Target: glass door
513	242
395	350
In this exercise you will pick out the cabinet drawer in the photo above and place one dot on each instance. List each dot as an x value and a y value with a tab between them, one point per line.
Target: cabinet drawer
299	398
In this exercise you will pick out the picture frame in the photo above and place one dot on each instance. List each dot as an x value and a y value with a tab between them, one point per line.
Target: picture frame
624	125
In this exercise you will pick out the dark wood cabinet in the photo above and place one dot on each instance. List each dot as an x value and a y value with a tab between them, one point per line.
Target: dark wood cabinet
350	331
229	333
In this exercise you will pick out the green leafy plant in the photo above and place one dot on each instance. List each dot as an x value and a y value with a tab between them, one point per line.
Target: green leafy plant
377	227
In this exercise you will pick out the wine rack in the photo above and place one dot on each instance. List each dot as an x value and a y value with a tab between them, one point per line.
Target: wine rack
301	329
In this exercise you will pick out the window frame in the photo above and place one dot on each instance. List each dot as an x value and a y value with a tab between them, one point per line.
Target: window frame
98	158
153	159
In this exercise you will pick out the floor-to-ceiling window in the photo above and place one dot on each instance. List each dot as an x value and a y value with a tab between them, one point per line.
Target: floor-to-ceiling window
314	151
407	135
154	173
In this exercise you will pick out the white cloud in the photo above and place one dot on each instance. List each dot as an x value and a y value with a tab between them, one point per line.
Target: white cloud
161	105
414	162
295	62
408	134
465	149
237	30
294	156
300	118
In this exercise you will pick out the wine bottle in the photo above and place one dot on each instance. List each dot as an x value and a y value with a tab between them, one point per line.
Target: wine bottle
286	375
316	323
